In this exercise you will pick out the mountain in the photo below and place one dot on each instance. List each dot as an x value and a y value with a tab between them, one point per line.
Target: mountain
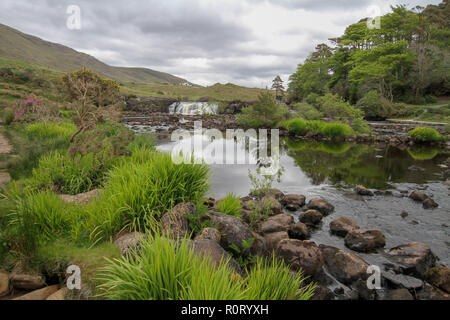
20	46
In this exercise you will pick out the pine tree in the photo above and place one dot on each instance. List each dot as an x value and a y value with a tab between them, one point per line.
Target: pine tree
277	85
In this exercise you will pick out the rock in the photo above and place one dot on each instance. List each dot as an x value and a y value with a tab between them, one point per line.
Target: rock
321	205
175	224
322	293
130	241
40	294
439	277
214	251
232	229
27	282
82	198
430	204
298	231
293	202
404	214
208	234
432	293
398	294
276	223
416	168
414	257
418	196
59	295
345	266
209	202
301	255
342	226
246	215
273	203
365	240
402	281
274	193
272	239
4	284
363	191
311	217
259	247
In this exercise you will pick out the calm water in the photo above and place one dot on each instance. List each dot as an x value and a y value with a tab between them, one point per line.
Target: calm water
331	171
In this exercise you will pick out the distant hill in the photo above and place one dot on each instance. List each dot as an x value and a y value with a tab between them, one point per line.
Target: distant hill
23	47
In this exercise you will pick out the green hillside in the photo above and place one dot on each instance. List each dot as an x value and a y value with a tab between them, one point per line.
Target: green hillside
19	46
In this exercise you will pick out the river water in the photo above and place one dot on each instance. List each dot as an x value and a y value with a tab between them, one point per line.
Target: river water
332	170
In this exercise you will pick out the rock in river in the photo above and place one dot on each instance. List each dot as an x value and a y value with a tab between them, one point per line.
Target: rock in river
342	226
301	255
363	191
345	266
311	217
321	205
298	231
365	240
280	222
418	196
414	257
439	277
293	202
430	204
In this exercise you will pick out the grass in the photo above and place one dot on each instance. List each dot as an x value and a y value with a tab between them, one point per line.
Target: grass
50	130
333	130
169	270
230	205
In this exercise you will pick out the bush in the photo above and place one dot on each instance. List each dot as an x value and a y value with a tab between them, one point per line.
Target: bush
265	113
272	280
330	130
8	117
374	106
336	130
296	126
142	188
307	111
230	205
421	134
168	270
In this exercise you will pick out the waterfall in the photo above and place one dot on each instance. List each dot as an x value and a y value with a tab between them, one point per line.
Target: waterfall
193	108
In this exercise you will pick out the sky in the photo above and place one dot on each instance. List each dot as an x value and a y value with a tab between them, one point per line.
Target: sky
246	42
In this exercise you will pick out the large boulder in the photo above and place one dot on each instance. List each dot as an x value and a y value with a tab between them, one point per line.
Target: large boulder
418	196
215	253
402	281
273	203
275	193
365	240
414	257
363	191
40	294
342	226
59	295
321	205
27	281
301	255
82	198
432	293
429	204
175	223
398	294
345	266
4	284
280	222
209	234
232	229
298	231
273	239
311	218
129	242
293	202
439	277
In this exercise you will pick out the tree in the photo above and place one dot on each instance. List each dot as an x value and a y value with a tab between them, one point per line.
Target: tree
277	85
89	93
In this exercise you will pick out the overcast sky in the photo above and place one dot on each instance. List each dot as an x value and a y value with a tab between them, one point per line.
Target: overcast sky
246	42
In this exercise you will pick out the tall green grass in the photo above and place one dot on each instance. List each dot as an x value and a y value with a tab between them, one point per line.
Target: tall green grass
230	205
142	188
48	130
169	270
333	131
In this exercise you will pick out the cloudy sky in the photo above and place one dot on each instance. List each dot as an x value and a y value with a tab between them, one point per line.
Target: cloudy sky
247	42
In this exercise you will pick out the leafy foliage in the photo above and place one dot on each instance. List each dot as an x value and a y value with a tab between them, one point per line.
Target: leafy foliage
425	134
230	205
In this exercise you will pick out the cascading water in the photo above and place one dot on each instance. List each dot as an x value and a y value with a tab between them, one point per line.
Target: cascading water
193	108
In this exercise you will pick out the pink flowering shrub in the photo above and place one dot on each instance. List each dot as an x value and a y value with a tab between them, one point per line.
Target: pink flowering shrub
28	105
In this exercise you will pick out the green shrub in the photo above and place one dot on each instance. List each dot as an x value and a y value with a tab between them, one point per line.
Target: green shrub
336	130
230	205
307	111
8	117
142	188
296	126
312	98
424	134
167	270
272	280
265	113
375	106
